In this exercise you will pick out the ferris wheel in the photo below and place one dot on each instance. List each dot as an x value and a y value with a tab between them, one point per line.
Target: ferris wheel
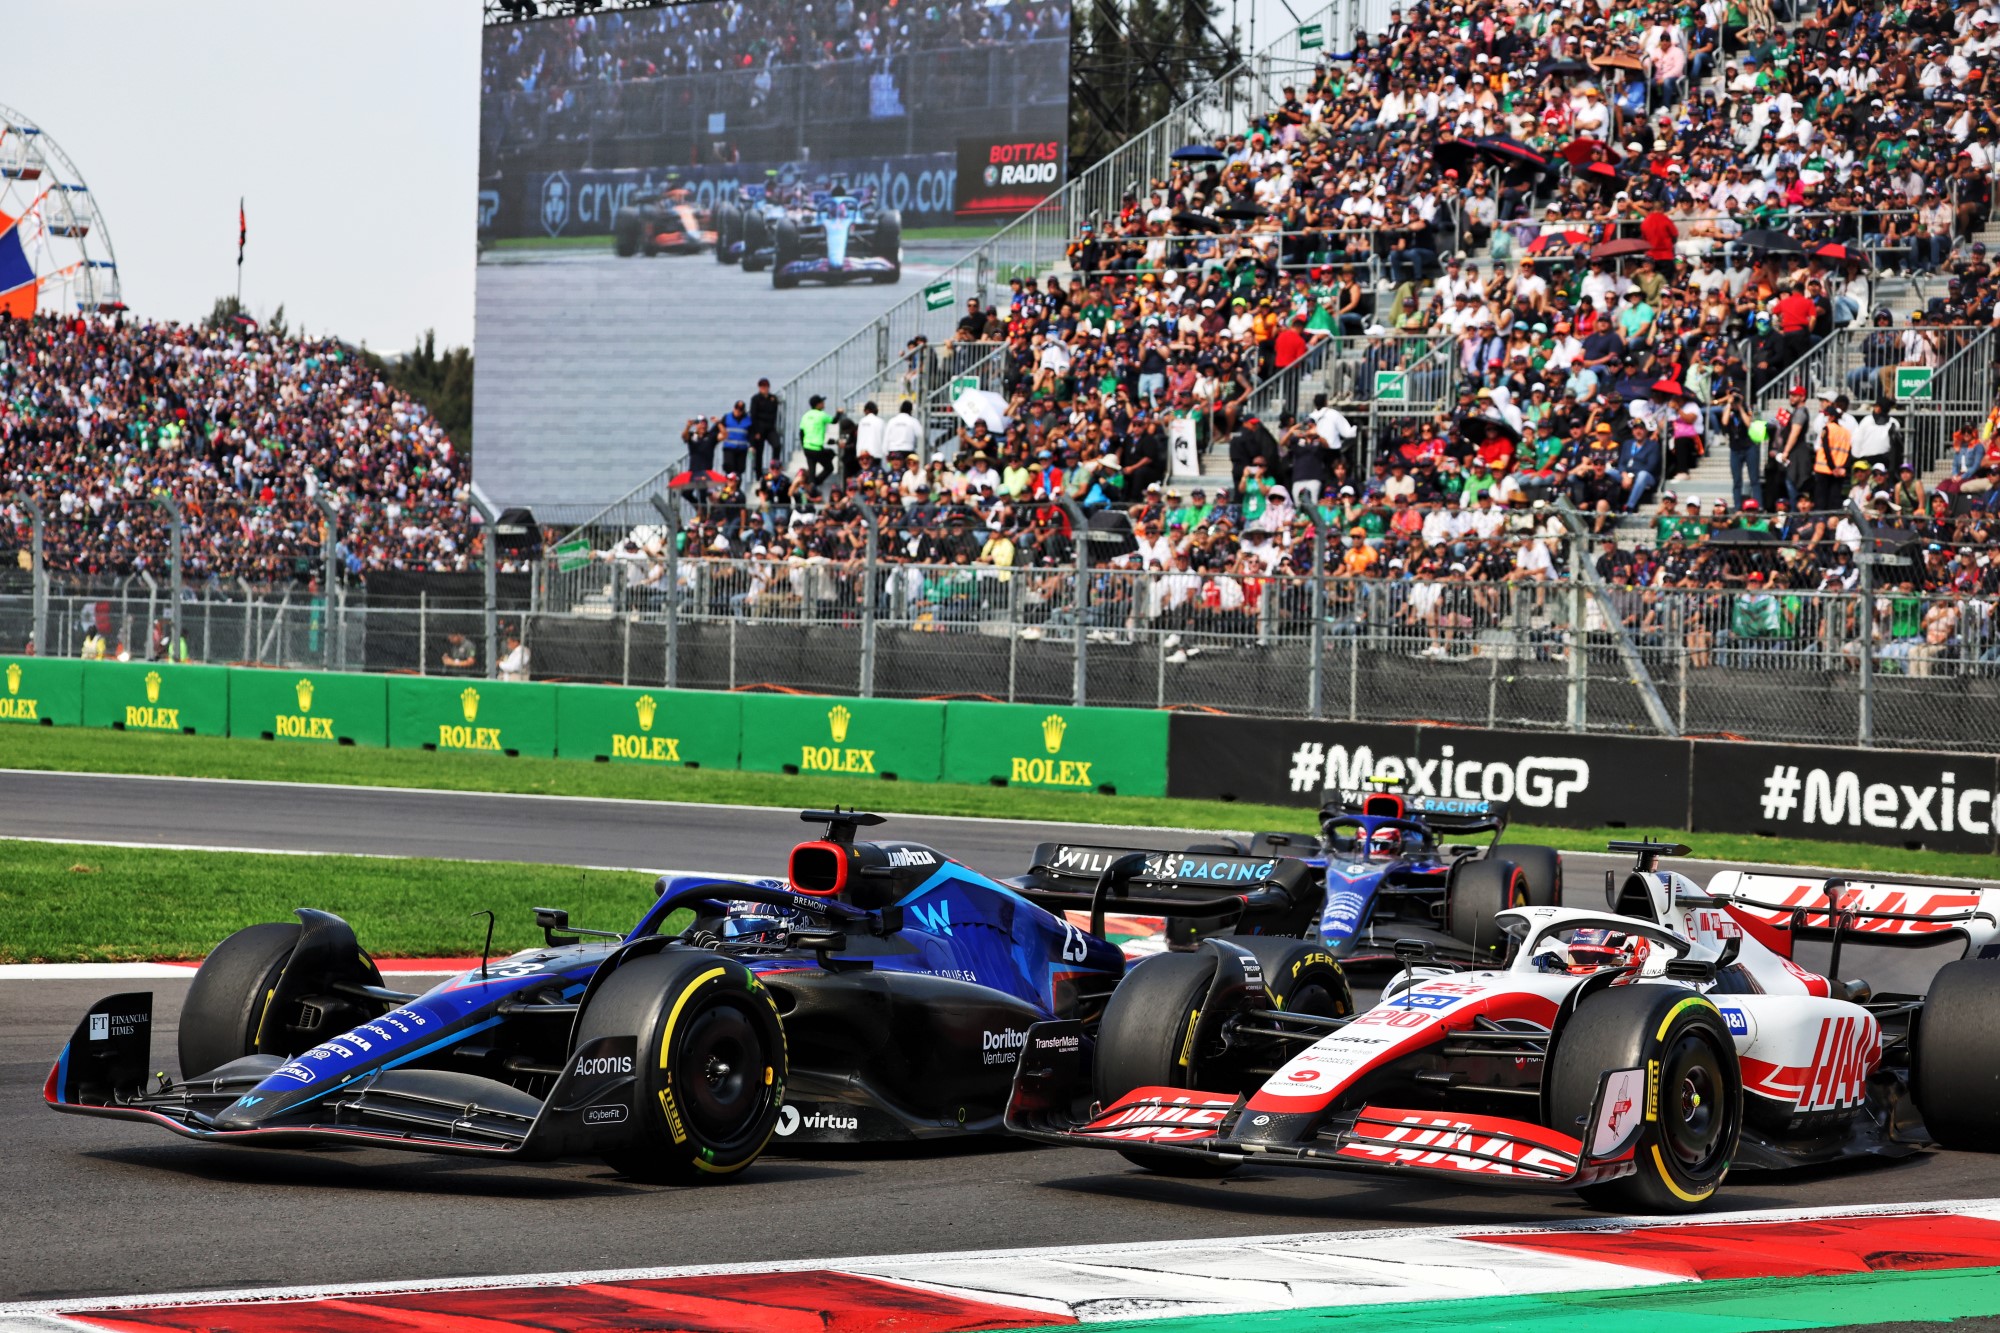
55	249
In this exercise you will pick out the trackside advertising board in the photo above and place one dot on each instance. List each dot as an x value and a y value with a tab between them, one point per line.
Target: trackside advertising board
671	728
329	707
1950	802
41	691
473	716
156	696
1542	777
1118	751
860	738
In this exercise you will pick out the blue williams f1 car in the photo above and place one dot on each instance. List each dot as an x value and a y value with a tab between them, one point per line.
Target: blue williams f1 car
880	992
1382	869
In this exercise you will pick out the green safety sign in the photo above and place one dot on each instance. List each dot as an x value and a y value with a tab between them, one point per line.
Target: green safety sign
963	384
1391	386
1914	382
1311	36
572	554
938	295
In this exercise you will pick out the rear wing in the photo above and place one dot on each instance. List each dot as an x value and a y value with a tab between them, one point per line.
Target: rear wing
1199	885
1440	814
1906	915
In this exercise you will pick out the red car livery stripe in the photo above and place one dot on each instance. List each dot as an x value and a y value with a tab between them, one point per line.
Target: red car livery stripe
1936	910
1161	1115
1477	1144
1845	1053
1386	1033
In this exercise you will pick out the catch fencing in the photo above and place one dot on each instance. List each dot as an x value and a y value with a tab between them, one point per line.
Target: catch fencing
1793	666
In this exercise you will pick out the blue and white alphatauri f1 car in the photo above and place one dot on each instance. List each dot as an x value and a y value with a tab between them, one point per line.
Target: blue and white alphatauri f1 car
1634	1053
843	238
880	991
1394	869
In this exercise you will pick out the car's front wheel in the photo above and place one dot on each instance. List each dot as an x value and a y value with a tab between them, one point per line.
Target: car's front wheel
1694	1098
710	1064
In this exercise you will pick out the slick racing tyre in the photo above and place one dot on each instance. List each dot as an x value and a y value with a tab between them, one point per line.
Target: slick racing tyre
1475	893
889	244
1542	865
728	230
1693	1121
1143	1039
225	1005
710	1064
1956	1070
784	251
1303	978
626	231
756	241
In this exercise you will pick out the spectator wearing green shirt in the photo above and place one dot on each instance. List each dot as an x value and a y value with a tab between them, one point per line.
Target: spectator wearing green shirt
812	438
1755	621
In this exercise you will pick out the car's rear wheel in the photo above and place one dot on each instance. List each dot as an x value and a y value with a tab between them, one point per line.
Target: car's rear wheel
1956	1070
728	228
1542	866
1474	894
1694	1110
889	244
710	1064
1142	1042
626	229
785	251
231	990
756	241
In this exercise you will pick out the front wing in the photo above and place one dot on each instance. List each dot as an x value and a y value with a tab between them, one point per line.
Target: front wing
1180	1122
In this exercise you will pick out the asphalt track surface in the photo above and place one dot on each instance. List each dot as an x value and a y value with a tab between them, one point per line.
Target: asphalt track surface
101	1209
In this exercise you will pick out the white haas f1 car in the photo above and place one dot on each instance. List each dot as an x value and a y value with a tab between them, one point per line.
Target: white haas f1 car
1634	1055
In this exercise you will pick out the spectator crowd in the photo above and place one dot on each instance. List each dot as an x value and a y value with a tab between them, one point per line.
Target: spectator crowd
99	417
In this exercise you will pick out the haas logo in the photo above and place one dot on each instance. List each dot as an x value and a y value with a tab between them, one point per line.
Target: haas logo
152	687
555	203
1053	727
13	678
305	693
837	719
647	708
469	701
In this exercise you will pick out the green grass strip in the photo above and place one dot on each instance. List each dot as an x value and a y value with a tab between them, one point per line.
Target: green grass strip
70	903
82	750
1735	1306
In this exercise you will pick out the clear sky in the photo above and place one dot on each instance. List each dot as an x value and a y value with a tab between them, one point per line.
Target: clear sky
351	130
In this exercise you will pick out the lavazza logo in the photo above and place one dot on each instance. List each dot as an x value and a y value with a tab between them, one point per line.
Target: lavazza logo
1838	798
1538	781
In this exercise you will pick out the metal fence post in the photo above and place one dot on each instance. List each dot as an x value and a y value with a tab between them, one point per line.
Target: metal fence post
868	599
1865	722
330	580
670	511
1316	606
166	500
1635	667
490	541
1578	676
39	574
1079	530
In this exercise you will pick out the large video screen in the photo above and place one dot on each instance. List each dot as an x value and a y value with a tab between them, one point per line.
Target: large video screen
676	202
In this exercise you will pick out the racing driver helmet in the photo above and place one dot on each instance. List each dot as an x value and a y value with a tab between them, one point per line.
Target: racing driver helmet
1590	949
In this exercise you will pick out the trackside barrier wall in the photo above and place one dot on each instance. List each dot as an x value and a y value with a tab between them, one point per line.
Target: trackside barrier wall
472	716
329	707
1116	751
156	696
41	691
863	738
1896	798
678	728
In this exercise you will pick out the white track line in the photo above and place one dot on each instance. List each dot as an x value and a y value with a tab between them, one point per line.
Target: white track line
1149	1254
